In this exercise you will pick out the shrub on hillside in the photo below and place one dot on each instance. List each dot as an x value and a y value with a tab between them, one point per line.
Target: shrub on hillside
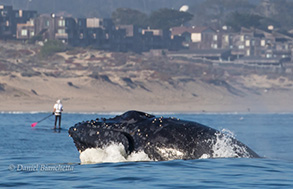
51	47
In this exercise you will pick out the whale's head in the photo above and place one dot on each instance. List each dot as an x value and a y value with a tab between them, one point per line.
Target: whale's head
94	134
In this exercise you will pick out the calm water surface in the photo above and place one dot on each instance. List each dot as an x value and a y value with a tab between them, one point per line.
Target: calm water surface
41	158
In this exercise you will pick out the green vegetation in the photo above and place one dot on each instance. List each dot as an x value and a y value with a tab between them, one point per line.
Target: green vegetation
237	20
282	13
244	13
215	12
167	18
160	19
51	47
125	16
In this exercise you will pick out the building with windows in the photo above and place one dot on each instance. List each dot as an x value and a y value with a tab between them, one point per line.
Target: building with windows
9	19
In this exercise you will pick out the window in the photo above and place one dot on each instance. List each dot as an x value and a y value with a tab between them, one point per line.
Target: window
263	43
4	13
227	38
241	46
23	32
269	56
248	52
61	23
215	37
247	43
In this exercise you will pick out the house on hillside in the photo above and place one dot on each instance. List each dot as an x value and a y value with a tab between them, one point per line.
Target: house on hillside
25	31
195	37
133	37
52	27
22	16
9	19
257	43
155	39
91	31
44	26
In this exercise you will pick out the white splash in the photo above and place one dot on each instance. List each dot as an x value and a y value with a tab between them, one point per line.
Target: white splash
226	148
170	153
112	153
205	156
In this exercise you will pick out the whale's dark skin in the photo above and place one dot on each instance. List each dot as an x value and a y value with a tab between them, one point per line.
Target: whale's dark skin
160	138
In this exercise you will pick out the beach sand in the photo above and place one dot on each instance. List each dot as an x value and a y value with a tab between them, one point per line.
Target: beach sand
84	94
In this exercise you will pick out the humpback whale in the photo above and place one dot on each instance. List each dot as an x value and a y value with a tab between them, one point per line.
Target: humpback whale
158	137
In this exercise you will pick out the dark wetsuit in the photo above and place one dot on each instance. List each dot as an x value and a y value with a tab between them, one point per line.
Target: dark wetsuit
58	108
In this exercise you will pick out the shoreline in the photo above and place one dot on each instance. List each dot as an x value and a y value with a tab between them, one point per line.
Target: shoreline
72	109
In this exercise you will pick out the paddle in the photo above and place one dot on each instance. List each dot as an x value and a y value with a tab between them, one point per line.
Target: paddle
35	123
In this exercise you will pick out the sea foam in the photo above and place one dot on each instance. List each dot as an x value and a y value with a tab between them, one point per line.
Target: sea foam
112	153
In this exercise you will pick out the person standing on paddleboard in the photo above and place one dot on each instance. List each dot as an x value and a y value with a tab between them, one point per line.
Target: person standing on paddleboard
58	108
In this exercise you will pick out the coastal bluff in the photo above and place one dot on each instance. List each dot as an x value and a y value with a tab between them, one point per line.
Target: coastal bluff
89	80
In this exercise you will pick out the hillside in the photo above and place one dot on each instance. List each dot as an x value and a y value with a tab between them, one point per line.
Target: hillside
100	8
88	80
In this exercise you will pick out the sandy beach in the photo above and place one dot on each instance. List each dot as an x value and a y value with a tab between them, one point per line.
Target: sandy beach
96	81
88	95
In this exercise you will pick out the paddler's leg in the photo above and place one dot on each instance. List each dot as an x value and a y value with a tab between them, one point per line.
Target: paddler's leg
60	122
55	122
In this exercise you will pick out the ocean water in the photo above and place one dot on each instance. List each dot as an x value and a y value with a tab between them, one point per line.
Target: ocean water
39	157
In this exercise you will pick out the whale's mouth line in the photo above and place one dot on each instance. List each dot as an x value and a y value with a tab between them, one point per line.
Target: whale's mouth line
81	146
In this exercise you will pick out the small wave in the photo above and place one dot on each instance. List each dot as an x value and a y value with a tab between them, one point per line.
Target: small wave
23	112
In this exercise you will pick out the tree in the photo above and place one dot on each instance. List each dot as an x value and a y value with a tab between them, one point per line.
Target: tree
214	12
237	20
167	18
283	13
126	16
